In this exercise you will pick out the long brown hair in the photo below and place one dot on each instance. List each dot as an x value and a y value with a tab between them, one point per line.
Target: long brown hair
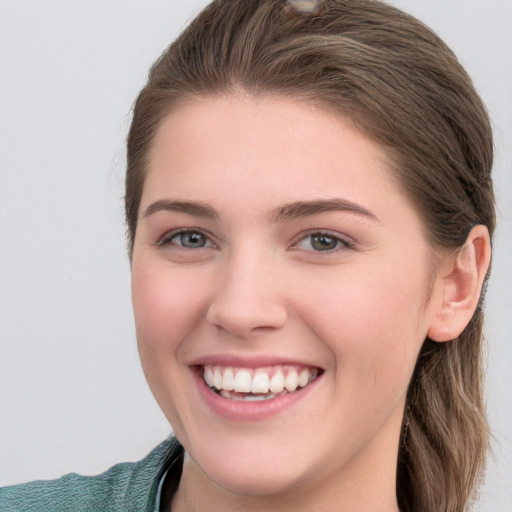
406	90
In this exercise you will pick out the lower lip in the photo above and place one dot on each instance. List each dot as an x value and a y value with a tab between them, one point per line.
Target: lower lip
241	410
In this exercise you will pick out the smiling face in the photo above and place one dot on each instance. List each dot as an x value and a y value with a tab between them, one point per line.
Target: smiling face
275	253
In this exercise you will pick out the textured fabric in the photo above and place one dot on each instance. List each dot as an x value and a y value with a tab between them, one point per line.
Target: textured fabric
127	487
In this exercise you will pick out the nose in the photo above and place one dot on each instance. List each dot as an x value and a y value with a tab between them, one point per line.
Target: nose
248	298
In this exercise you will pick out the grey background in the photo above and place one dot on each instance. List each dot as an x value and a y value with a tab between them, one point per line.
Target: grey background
72	394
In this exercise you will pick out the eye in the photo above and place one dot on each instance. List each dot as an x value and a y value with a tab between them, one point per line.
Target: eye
322	242
188	239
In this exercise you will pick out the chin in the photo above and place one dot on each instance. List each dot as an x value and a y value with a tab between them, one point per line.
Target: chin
253	481
257	471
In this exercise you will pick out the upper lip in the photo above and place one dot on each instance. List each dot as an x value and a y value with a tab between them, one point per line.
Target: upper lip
242	361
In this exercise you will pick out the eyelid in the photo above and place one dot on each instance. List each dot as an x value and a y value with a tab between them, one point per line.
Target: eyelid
346	241
166	238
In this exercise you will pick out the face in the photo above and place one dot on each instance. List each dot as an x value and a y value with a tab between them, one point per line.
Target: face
281	294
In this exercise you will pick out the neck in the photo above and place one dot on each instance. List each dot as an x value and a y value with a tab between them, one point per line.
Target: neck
366	482
364	485
188	500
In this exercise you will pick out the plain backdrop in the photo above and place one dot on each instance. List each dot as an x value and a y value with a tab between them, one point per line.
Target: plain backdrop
72	394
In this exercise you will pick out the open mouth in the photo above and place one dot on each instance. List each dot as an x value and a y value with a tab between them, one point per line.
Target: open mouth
258	384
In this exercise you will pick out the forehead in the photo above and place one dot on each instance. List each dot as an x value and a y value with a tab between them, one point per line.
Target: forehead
236	148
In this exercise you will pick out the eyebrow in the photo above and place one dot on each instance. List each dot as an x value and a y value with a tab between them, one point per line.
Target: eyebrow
197	209
301	209
294	210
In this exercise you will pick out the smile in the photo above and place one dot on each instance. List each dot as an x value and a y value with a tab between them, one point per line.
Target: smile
257	384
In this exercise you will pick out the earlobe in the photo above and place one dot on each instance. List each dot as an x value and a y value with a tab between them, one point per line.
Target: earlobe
461	279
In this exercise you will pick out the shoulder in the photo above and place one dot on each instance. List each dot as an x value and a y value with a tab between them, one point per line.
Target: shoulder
125	487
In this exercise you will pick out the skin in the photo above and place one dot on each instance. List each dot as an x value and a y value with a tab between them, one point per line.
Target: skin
259	287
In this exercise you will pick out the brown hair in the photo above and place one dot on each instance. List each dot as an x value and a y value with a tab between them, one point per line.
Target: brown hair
405	89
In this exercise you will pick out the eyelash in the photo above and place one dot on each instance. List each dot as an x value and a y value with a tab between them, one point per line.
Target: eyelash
340	243
167	239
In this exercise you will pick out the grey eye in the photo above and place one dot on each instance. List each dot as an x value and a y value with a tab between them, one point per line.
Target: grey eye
322	242
191	239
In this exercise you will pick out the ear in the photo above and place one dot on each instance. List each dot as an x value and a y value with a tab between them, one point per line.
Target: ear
461	276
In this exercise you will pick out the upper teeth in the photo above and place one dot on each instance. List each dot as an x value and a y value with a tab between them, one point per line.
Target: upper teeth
261	380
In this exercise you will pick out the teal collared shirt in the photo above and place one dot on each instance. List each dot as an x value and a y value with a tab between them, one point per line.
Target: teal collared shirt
127	487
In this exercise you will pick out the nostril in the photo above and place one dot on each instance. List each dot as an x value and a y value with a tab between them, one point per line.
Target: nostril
246	317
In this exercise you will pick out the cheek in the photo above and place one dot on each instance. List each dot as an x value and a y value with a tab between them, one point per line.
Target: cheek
166	305
374	321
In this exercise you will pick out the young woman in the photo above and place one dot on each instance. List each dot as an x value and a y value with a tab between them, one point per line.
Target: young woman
309	209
